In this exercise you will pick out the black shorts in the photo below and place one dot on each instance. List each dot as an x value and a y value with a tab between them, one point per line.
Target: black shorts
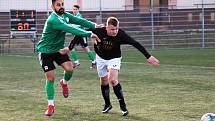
80	40
47	60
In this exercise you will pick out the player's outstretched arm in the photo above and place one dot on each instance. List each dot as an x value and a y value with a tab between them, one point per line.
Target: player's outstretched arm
153	61
95	38
80	21
129	40
65	50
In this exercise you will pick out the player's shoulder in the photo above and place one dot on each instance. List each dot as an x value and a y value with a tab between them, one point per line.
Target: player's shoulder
67	13
121	32
53	17
99	30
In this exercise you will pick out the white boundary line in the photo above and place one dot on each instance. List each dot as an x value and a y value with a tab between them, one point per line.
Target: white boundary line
24	91
180	66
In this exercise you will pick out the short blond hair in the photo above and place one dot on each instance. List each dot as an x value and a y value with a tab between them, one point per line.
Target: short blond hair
112	21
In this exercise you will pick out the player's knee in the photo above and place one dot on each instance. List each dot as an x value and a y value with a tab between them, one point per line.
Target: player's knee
68	69
50	75
67	66
50	78
113	82
104	81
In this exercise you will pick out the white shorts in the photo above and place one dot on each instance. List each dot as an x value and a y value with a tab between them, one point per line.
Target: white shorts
104	65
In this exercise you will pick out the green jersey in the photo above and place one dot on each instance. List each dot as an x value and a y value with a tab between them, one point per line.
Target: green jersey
79	16
55	28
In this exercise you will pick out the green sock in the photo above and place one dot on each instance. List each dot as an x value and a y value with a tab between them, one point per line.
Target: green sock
50	89
74	55
67	75
91	55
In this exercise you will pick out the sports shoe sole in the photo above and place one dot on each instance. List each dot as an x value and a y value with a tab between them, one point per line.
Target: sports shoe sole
124	113
107	110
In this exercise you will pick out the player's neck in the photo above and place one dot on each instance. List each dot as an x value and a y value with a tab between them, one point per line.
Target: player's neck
61	16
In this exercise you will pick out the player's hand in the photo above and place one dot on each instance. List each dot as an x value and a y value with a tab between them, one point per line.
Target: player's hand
100	25
64	51
95	38
153	61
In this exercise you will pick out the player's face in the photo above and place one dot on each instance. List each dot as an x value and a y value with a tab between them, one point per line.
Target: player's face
75	10
112	30
58	6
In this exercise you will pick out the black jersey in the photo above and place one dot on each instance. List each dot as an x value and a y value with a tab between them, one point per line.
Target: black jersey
109	47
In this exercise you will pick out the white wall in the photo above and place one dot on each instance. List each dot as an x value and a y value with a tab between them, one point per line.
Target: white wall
6	5
106	5
38	5
86	5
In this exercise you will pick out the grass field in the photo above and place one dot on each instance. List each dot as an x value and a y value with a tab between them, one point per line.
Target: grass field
181	89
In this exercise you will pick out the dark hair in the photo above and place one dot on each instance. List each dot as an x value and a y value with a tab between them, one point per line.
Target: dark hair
76	6
53	1
112	21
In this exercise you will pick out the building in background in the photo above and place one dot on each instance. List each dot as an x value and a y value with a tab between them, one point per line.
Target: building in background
191	4
133	14
138	16
86	5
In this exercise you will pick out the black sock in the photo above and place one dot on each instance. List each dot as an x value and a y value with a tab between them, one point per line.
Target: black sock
105	93
119	94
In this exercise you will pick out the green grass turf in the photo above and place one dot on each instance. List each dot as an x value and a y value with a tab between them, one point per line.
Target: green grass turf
181	89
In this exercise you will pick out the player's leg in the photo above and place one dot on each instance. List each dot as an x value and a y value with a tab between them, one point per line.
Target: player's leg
90	53
46	61
74	56
91	56
65	63
105	90
113	71
73	52
50	92
68	70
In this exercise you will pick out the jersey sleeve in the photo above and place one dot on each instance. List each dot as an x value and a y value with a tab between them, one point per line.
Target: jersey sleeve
63	26
96	31
126	39
80	21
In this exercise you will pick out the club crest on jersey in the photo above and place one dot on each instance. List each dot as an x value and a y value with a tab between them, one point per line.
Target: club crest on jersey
67	20
107	45
46	67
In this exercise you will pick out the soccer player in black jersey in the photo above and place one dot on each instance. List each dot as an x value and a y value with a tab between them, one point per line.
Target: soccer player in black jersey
108	59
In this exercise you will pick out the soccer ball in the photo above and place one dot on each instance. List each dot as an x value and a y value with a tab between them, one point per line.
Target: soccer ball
208	117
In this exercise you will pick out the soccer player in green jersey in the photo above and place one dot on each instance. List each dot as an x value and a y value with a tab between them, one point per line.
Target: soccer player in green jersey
82	41
52	40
